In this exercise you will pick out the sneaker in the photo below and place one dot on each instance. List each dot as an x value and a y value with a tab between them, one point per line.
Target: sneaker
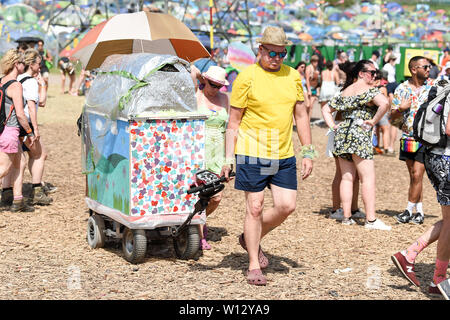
49	188
444	288
40	198
338	214
405	267
417	218
403	217
348	222
433	289
20	206
377	225
358	214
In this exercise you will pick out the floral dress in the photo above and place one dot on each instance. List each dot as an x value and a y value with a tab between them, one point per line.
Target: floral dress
350	137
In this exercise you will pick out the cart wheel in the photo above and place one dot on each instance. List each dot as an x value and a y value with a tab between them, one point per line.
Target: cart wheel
96	231
187	243
134	245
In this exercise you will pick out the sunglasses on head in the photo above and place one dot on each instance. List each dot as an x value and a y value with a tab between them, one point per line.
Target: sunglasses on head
273	54
425	67
215	86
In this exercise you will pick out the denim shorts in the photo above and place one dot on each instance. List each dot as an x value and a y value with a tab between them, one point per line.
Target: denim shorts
254	174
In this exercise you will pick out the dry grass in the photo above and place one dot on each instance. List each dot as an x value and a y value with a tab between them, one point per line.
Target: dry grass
44	252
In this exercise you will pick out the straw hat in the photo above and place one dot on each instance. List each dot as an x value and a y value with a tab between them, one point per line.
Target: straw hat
275	36
216	74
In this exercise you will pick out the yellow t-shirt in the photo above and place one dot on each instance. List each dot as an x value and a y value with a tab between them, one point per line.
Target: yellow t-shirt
269	99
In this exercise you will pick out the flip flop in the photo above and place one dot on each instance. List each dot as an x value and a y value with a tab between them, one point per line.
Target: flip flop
204	245
256	277
263	261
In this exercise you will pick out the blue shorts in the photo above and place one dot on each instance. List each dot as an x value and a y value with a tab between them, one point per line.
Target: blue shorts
254	174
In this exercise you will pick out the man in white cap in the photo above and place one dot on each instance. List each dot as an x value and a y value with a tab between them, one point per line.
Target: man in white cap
266	96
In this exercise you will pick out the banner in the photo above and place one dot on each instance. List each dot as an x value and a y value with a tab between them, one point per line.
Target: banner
427	53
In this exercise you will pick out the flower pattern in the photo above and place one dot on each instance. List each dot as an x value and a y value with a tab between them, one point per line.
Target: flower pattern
403	92
350	137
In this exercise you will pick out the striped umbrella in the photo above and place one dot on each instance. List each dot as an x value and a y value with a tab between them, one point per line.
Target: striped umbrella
136	33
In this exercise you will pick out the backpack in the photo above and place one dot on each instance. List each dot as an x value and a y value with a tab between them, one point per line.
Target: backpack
3	117
429	126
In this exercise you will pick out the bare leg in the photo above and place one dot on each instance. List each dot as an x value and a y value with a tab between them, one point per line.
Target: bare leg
253	226
416	171
443	245
366	172
348	172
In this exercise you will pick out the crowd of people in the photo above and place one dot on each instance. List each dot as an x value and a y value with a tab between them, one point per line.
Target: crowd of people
24	91
251	133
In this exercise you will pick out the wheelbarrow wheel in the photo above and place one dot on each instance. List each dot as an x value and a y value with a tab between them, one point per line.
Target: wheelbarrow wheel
96	231
187	243
134	245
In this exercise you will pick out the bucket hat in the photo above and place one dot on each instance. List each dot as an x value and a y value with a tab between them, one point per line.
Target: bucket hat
216	74
275	36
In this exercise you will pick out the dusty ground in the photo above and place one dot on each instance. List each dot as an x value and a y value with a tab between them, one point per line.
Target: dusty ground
45	254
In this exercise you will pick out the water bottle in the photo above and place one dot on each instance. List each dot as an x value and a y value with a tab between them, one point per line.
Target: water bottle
436	111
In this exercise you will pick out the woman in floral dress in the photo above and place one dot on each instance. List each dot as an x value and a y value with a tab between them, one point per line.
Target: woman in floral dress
362	106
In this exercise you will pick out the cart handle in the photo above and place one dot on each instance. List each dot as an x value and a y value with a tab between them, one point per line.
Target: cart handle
205	186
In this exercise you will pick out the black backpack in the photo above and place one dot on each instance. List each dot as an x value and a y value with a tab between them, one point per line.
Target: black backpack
3	117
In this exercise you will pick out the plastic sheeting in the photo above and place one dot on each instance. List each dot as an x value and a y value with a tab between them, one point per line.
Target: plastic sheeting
133	85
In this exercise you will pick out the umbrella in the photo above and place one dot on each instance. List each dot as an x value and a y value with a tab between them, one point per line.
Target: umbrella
136	33
240	56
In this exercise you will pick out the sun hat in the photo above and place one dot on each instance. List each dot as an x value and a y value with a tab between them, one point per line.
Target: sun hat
216	74
275	36
447	66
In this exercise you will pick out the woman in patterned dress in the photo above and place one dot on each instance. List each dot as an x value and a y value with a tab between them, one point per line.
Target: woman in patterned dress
215	104
362	106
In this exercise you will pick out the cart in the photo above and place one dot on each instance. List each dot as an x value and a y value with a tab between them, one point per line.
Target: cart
142	144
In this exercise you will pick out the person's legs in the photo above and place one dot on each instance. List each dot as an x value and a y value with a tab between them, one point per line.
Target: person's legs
348	174
36	163
366	173
355	193
386	137
253	226
335	194
212	206
416	171
393	132
284	202
6	160
443	247
72	78
63	81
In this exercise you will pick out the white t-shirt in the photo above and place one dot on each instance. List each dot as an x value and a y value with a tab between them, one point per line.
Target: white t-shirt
390	69
30	92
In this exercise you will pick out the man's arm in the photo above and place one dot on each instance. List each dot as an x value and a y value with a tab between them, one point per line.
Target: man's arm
304	134
231	135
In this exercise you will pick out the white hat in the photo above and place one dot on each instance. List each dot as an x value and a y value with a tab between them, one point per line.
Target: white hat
447	66
216	74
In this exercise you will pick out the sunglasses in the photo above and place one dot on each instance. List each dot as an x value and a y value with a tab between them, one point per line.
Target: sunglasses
425	67
215	86
372	72
273	54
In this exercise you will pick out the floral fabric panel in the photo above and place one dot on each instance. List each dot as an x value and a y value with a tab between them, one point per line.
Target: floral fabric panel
403	92
351	138
165	155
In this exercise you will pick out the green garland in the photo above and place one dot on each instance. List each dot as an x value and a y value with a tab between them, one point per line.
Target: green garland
308	151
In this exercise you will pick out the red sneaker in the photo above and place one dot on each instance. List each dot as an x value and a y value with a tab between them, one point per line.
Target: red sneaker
406	268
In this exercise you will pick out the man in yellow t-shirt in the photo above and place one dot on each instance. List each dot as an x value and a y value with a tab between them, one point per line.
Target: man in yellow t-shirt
265	98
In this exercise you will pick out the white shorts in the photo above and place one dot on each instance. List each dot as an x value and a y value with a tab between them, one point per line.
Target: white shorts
327	91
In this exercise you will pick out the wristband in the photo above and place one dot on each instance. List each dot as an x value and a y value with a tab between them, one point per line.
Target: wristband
29	131
308	151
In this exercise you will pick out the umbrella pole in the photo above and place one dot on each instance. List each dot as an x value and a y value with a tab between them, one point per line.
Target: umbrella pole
211	29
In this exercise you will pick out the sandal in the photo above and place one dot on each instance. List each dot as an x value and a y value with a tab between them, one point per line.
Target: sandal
204	245
256	277
263	261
